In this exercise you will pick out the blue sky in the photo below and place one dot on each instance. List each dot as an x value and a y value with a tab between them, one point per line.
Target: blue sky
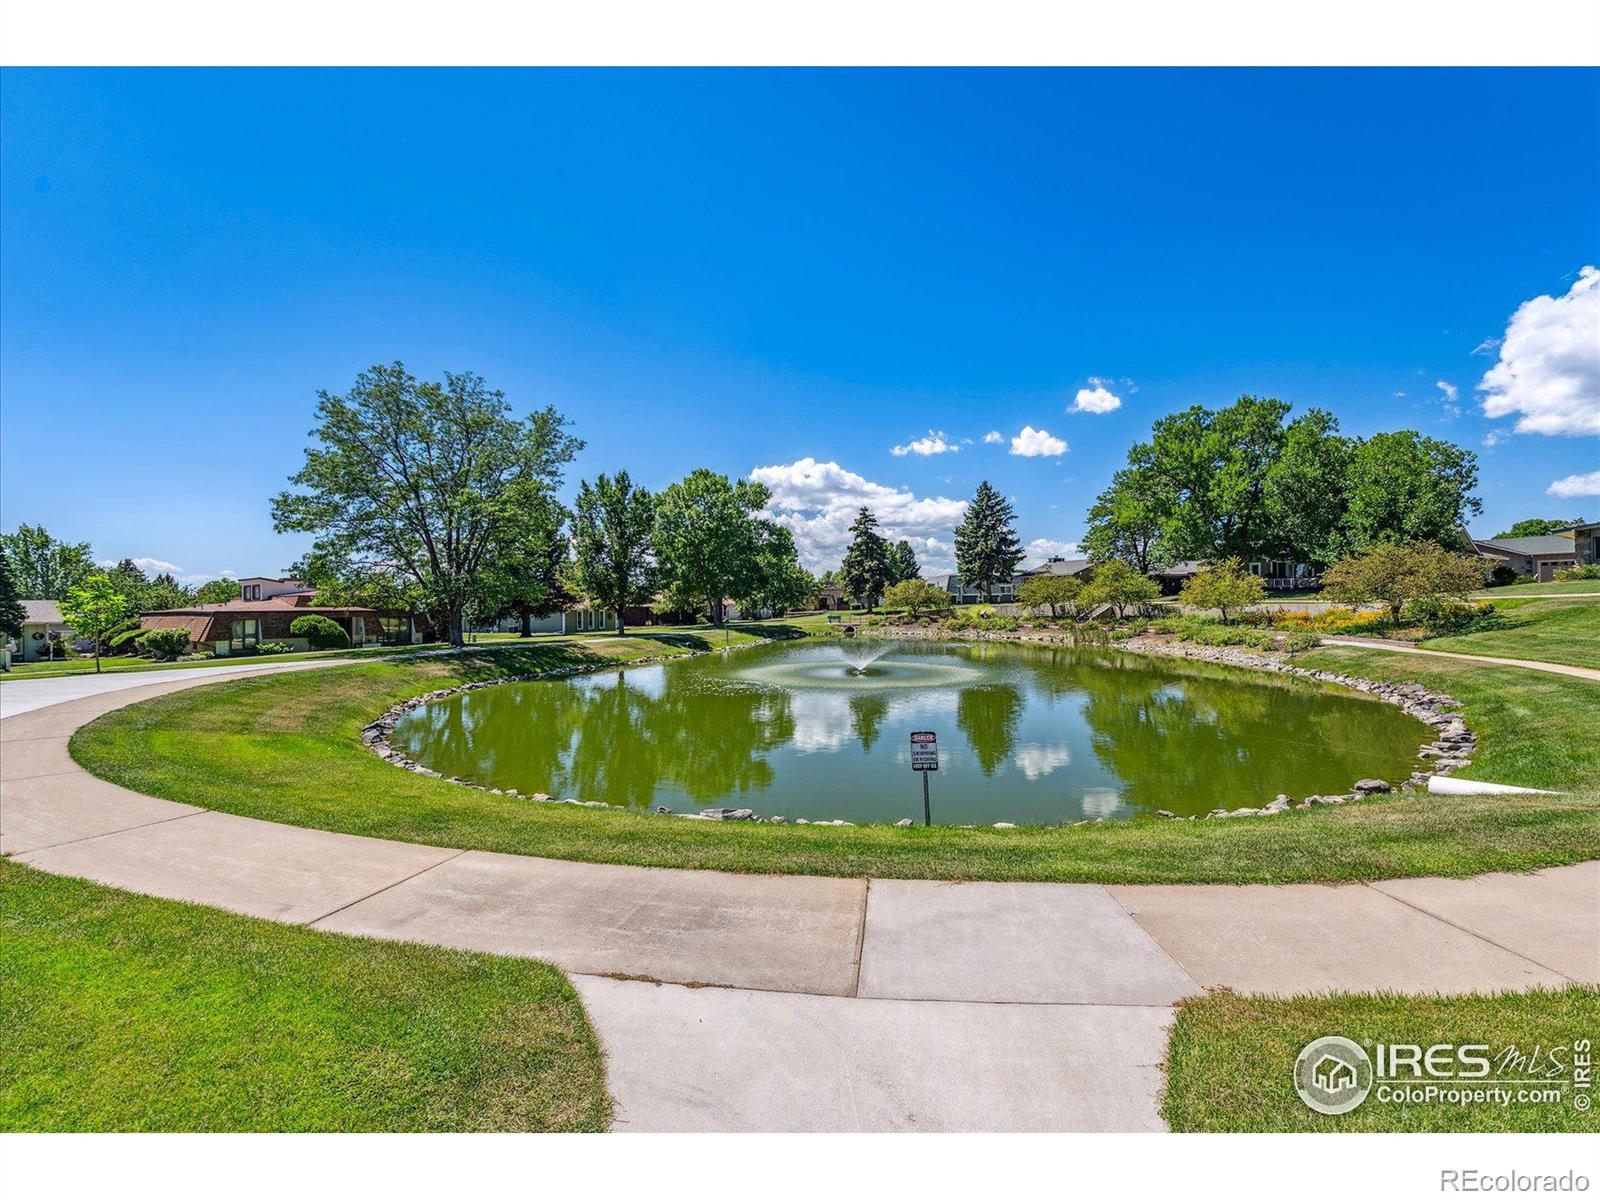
749	270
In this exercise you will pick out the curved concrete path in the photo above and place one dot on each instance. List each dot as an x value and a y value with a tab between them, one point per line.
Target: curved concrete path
1531	664
801	1003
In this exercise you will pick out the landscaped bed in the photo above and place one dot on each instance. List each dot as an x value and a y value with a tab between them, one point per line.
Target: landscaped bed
289	749
126	1013
1231	1059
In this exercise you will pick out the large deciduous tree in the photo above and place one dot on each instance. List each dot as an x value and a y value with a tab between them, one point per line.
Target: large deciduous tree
524	572
778	582
987	548
1537	527
708	538
45	569
1404	487
1128	520
865	570
217	591
420	478
613	531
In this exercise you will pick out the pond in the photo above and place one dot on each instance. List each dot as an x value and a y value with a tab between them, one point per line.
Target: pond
820	729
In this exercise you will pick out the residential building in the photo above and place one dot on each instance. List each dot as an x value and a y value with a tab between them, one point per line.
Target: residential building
264	611
1543	556
1005	592
41	626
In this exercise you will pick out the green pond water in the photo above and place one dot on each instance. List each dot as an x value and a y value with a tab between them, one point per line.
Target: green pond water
820	729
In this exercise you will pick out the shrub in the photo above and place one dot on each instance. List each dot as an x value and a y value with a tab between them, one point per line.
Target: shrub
1116	583
273	647
321	632
1447	615
1582	571
1502	576
916	596
128	640
164	645
1395	575
1301	640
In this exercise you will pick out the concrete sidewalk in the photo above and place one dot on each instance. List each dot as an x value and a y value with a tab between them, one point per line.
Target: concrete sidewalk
768	1002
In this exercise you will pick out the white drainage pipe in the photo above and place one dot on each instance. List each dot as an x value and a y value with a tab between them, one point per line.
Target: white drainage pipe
1450	785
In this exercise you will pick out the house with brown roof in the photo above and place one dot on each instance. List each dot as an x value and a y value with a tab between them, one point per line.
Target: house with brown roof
264	611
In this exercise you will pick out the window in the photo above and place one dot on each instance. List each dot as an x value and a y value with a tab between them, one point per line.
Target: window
246	633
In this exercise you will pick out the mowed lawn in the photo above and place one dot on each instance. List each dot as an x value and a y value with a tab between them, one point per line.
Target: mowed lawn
1230	1060
288	749
1558	631
127	1013
1555	588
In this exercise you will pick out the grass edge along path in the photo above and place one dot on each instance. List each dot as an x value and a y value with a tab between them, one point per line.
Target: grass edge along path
288	749
1230	1059
130	1013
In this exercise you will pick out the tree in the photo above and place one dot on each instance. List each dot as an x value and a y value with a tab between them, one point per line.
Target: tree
1404	487
987	549
12	614
1058	593
903	562
1307	491
1119	585
43	568
708	537
1224	585
419	478
778	582
523	572
217	591
1394	574
865	570
1537	527
94	609
916	596
1128	520
613	529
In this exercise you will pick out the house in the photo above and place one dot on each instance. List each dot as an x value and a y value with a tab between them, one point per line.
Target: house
1056	566
1541	557
1585	537
1005	592
1333	1075
831	596
1173	577
41	626
265	609
1276	574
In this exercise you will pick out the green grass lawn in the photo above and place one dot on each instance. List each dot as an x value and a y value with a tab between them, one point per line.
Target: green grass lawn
127	1013
1540	589
287	748
1231	1058
1557	631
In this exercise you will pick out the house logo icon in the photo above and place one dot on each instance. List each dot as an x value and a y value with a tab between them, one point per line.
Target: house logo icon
1332	1075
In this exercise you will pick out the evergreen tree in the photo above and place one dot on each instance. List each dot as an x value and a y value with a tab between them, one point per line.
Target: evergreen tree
903	562
865	570
987	549
12	614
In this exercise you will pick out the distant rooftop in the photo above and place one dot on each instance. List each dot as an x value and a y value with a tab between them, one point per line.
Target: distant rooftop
1552	543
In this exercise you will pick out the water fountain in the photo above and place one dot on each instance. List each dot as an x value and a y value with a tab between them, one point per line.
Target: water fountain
861	655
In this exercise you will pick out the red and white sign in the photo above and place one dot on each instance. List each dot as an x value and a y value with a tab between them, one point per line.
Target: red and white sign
925	751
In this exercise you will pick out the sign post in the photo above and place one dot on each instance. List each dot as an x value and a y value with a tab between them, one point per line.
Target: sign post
925	758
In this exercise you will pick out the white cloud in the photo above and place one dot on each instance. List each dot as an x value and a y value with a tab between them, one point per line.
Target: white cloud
1096	399
934	443
1549	368
817	501
160	566
1576	485
1494	437
1035	762
1042	548
1037	443
993	438
1486	347
1451	394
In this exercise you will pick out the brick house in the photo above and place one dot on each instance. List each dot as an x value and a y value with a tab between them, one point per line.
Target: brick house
265	609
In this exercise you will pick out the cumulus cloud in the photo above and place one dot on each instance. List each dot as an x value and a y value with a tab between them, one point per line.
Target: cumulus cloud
1576	485
1548	375
1037	443
817	501
160	566
1096	398
1042	548
934	443
1035	761
993	438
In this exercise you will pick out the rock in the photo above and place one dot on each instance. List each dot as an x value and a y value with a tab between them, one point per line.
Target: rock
1367	787
1171	816
662	809
1278	805
778	820
1004	825
904	821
